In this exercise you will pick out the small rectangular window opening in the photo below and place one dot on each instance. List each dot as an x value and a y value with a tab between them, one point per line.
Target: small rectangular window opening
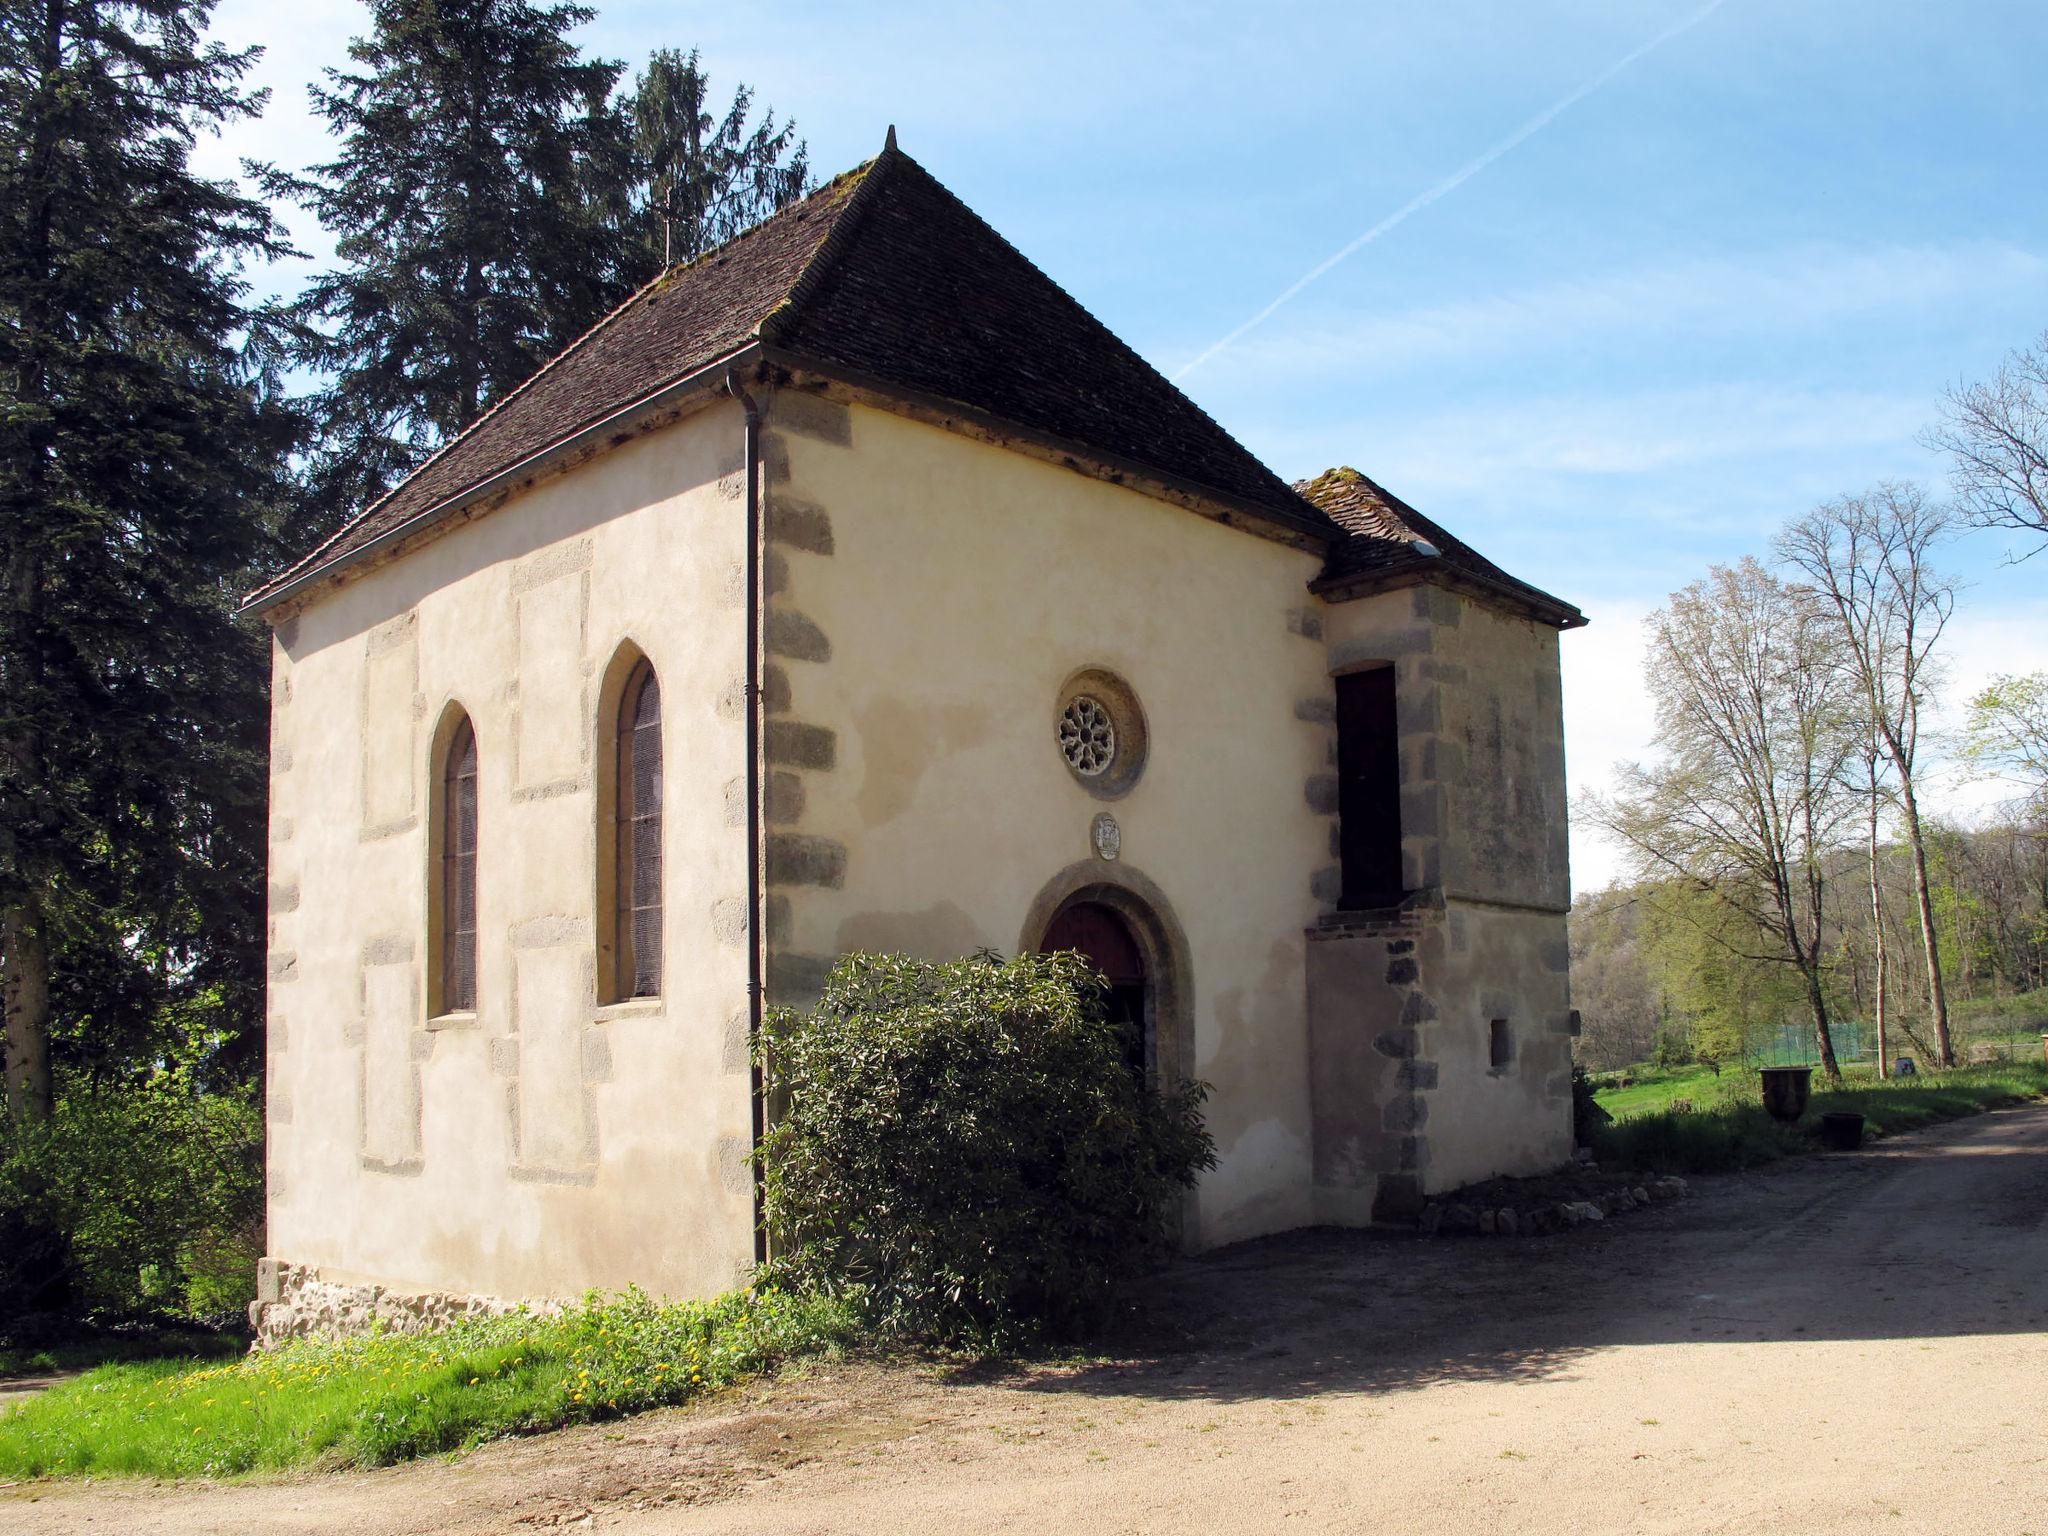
1368	790
1500	1045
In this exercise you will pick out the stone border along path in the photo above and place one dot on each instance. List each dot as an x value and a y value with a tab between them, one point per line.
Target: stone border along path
1452	1217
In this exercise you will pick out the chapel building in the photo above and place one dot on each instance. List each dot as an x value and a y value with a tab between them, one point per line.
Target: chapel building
852	588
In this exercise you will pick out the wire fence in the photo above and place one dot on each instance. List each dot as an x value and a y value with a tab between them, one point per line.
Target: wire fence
1856	1041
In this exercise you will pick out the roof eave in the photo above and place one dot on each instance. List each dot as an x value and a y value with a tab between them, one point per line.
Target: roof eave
1417	570
267	598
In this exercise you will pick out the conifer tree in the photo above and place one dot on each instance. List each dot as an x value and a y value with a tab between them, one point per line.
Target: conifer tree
139	455
703	179
476	200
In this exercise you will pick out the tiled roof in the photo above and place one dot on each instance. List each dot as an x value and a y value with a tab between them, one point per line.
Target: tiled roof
1384	538
882	273
690	316
924	295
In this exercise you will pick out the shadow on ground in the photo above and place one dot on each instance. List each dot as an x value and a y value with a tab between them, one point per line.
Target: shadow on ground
1939	1234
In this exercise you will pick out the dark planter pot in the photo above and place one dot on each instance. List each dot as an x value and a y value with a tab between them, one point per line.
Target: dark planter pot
1841	1130
1786	1090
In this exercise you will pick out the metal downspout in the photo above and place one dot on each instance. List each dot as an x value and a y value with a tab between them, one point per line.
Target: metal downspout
757	931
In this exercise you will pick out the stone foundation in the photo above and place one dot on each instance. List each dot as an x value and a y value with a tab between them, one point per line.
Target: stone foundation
294	1302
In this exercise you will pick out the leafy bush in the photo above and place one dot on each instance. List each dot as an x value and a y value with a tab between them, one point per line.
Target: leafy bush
132	1201
1588	1115
1721	1139
382	1398
961	1146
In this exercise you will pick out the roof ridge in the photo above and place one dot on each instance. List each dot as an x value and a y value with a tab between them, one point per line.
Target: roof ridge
807	283
871	173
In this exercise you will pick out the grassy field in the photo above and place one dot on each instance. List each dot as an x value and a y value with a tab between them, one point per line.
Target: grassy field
1726	1126
82	1354
370	1401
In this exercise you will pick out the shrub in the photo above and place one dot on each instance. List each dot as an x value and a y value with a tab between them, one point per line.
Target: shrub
1588	1114
132	1201
961	1146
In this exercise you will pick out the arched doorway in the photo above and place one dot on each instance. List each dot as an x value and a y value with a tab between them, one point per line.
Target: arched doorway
1099	934
1152	960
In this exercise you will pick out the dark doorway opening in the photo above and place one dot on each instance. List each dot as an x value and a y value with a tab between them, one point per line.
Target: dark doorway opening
1101	936
1368	789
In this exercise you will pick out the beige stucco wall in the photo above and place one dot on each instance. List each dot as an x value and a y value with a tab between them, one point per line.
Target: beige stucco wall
964	585
930	594
547	1144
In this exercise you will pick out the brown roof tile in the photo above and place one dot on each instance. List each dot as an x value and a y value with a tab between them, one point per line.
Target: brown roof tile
925	295
688	317
883	273
1382	535
885	277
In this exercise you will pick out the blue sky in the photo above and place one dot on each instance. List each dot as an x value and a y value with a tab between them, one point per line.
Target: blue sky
1728	283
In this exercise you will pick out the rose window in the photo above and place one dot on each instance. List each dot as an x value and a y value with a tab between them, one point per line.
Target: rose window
1087	736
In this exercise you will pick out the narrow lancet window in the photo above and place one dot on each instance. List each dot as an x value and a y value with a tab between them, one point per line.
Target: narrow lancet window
1368	789
458	873
638	852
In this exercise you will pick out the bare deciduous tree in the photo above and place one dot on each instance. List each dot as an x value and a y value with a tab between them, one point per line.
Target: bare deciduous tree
1873	772
1751	797
1869	561
1996	433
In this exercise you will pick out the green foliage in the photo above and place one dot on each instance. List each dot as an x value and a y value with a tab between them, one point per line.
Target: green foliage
129	1202
142	452
1588	1115
2006	731
1704	955
1717	1140
962	1146
703	179
373	1400
474	204
490	201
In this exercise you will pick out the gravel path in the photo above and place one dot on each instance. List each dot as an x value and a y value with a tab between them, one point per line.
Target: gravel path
1843	1345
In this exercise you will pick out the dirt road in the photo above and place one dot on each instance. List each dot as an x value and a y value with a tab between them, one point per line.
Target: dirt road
1853	1345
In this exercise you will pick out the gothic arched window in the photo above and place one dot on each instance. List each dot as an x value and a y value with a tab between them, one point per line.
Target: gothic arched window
457	886
636	827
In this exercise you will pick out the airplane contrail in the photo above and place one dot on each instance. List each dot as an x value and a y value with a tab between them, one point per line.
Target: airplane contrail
1458	178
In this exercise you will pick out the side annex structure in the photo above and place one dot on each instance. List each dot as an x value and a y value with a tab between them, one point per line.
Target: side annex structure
851	588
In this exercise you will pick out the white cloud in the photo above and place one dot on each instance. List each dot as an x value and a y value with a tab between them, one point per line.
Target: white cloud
1498	449
1765	294
1607	720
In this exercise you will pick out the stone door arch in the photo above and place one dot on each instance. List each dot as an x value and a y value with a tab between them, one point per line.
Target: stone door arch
1123	922
1101	936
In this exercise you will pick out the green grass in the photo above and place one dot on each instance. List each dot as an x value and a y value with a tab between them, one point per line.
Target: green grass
1652	1090
373	1400
1727	1127
83	1354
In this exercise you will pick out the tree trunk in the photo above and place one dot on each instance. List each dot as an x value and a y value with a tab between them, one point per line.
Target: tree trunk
25	1000
1884	1061
1937	995
1823	1036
